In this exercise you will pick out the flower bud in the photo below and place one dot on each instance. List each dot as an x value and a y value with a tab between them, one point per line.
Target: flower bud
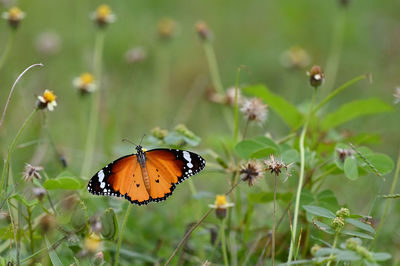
343	212
166	28
317	76
203	31
14	16
159	133
337	223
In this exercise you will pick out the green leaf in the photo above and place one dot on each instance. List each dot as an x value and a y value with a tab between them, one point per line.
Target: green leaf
323	227
259	147
291	156
354	109
361	225
351	168
327	199
55	260
23	200
287	111
109	224
347	255
79	217
319	211
357	234
265	197
383	163
62	183
381	256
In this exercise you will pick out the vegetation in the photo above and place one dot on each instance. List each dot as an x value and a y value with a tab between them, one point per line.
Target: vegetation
297	121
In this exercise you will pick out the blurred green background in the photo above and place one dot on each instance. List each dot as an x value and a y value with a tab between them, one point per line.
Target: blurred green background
169	86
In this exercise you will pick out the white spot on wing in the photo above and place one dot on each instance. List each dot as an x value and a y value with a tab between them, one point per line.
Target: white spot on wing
101	175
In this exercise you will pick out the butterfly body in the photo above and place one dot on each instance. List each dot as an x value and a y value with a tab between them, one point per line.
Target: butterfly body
146	176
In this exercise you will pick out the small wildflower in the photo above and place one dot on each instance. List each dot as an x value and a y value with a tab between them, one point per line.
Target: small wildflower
92	243
314	249
31	172
343	212
85	83
344	153
221	205
48	43
254	110
135	55
98	258
337	223
317	76
167	28
276	166
251	172
295	57
230	96
14	16
39	192
397	96
47	100
203	31
159	133
103	16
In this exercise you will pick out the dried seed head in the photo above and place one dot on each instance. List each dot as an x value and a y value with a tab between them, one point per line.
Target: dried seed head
230	96
251	172
276	166
317	76
135	55
14	16
103	16
397	96
295	57
47	100
39	192
167	28
98	258
203	31
31	172
344	153
48	223
254	110
48	43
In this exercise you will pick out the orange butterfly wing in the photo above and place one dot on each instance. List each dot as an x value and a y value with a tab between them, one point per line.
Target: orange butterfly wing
165	168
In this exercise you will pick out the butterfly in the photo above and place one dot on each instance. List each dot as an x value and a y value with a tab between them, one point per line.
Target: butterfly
146	176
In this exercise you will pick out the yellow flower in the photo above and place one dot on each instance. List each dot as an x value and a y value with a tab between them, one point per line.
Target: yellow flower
92	243
14	16
85	83
103	15
167	28
47	100
221	205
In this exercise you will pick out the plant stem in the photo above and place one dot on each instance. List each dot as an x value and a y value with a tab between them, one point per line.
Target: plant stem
192	187
121	233
94	116
7	50
12	147
236	132
333	247
223	242
212	64
12	90
338	90
30	230
274	224
301	178
388	201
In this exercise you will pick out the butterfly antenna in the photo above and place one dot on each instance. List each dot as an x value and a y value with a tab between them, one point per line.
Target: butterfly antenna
142	139
129	141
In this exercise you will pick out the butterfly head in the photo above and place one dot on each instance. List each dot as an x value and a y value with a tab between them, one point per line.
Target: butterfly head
140	149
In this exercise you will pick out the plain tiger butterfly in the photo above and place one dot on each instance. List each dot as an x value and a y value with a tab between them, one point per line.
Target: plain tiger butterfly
146	176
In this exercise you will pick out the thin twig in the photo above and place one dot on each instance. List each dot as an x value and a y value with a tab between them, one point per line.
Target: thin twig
12	90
